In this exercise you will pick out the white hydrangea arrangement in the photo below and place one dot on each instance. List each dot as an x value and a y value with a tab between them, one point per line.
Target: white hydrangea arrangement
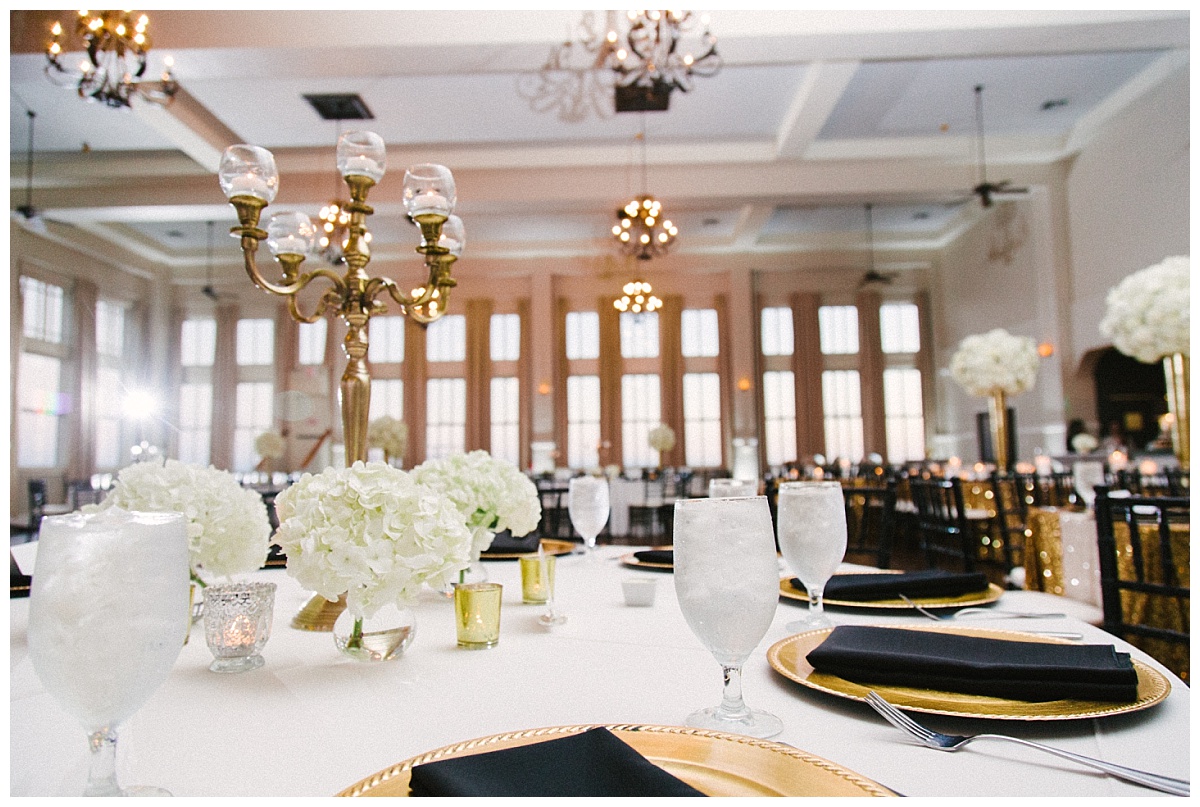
229	532
1084	443
661	438
269	445
996	360
370	532
1148	315
389	434
491	495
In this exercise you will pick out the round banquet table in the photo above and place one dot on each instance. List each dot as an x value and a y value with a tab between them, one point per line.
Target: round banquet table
311	722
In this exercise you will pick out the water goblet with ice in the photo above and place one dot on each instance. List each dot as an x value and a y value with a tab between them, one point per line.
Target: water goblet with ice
727	583
812	538
587	503
108	613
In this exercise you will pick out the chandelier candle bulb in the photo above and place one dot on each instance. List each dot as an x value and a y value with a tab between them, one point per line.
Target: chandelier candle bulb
362	166
248	185
429	202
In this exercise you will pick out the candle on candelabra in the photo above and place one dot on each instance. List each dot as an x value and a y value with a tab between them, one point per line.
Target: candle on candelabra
289	245
429	202
362	166
248	185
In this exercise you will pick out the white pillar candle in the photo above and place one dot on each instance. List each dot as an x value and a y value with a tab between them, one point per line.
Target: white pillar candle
248	185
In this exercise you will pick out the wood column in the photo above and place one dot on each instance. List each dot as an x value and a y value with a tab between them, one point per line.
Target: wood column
807	366
670	347
224	386
415	378
479	374
611	365
870	373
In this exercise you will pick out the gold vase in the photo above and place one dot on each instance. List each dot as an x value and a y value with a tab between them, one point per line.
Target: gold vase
998	420
1177	368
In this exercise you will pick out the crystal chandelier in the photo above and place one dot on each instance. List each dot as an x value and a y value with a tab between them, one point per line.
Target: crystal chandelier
631	64
117	47
637	299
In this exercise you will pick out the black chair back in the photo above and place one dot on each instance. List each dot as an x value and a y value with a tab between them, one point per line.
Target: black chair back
942	527
871	523
1145	564
37	504
1012	496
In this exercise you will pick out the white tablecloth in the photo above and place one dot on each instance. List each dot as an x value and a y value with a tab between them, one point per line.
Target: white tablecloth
310	722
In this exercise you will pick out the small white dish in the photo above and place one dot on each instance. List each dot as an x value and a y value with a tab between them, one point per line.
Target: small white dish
639	591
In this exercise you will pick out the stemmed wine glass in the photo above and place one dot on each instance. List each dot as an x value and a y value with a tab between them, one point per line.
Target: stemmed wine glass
1088	474
727	583
587	502
812	538
108	613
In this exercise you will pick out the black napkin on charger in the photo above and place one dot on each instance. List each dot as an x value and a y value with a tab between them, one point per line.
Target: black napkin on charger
19	583
665	556
504	543
919	584
591	763
1018	670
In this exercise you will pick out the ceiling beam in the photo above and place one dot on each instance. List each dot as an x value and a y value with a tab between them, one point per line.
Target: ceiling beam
819	92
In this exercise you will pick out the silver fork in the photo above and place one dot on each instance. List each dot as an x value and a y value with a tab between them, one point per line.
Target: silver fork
952	742
1057	634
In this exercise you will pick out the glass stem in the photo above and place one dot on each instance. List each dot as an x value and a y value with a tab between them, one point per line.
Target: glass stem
355	642
102	773
816	600
732	705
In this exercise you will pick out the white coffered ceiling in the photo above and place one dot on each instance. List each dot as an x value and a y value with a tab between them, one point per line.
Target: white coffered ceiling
813	115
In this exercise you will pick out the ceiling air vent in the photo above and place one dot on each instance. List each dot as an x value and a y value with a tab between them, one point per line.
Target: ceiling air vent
340	106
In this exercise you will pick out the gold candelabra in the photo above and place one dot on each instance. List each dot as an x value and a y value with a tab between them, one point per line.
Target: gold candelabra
250	181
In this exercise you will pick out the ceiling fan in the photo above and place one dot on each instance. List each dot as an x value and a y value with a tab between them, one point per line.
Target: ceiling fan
30	217
988	191
873	277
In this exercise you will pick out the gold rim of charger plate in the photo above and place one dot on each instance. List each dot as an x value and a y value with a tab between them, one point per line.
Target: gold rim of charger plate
755	767
993	593
551	546
632	559
787	657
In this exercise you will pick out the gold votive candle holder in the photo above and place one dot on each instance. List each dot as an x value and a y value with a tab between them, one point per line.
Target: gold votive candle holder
537	578
477	614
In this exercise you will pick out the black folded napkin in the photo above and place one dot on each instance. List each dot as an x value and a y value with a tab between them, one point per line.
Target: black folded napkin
18	582
592	763
666	556
1028	671
924	583
504	543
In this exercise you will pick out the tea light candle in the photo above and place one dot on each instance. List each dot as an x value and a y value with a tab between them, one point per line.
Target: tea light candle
240	632
818	473
363	166
1117	461
1148	467
428	202
248	185
289	245
1042	463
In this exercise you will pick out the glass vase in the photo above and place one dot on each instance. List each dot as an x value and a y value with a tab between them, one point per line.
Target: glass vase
382	636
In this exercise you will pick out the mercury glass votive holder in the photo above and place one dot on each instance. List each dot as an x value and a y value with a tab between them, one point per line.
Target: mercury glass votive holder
477	614
237	623
537	578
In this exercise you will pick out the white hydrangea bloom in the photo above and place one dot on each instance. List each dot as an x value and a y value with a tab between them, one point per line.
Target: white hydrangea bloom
491	495
1148	315
371	532
996	360
228	529
661	437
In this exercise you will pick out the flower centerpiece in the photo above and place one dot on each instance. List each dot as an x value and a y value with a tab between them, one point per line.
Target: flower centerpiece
269	445
228	528
490	495
389	434
1148	317
1084	443
374	535
662	439
993	365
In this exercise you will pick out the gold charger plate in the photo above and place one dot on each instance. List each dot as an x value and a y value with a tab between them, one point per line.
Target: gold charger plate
788	658
551	546
713	762
993	593
632	560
